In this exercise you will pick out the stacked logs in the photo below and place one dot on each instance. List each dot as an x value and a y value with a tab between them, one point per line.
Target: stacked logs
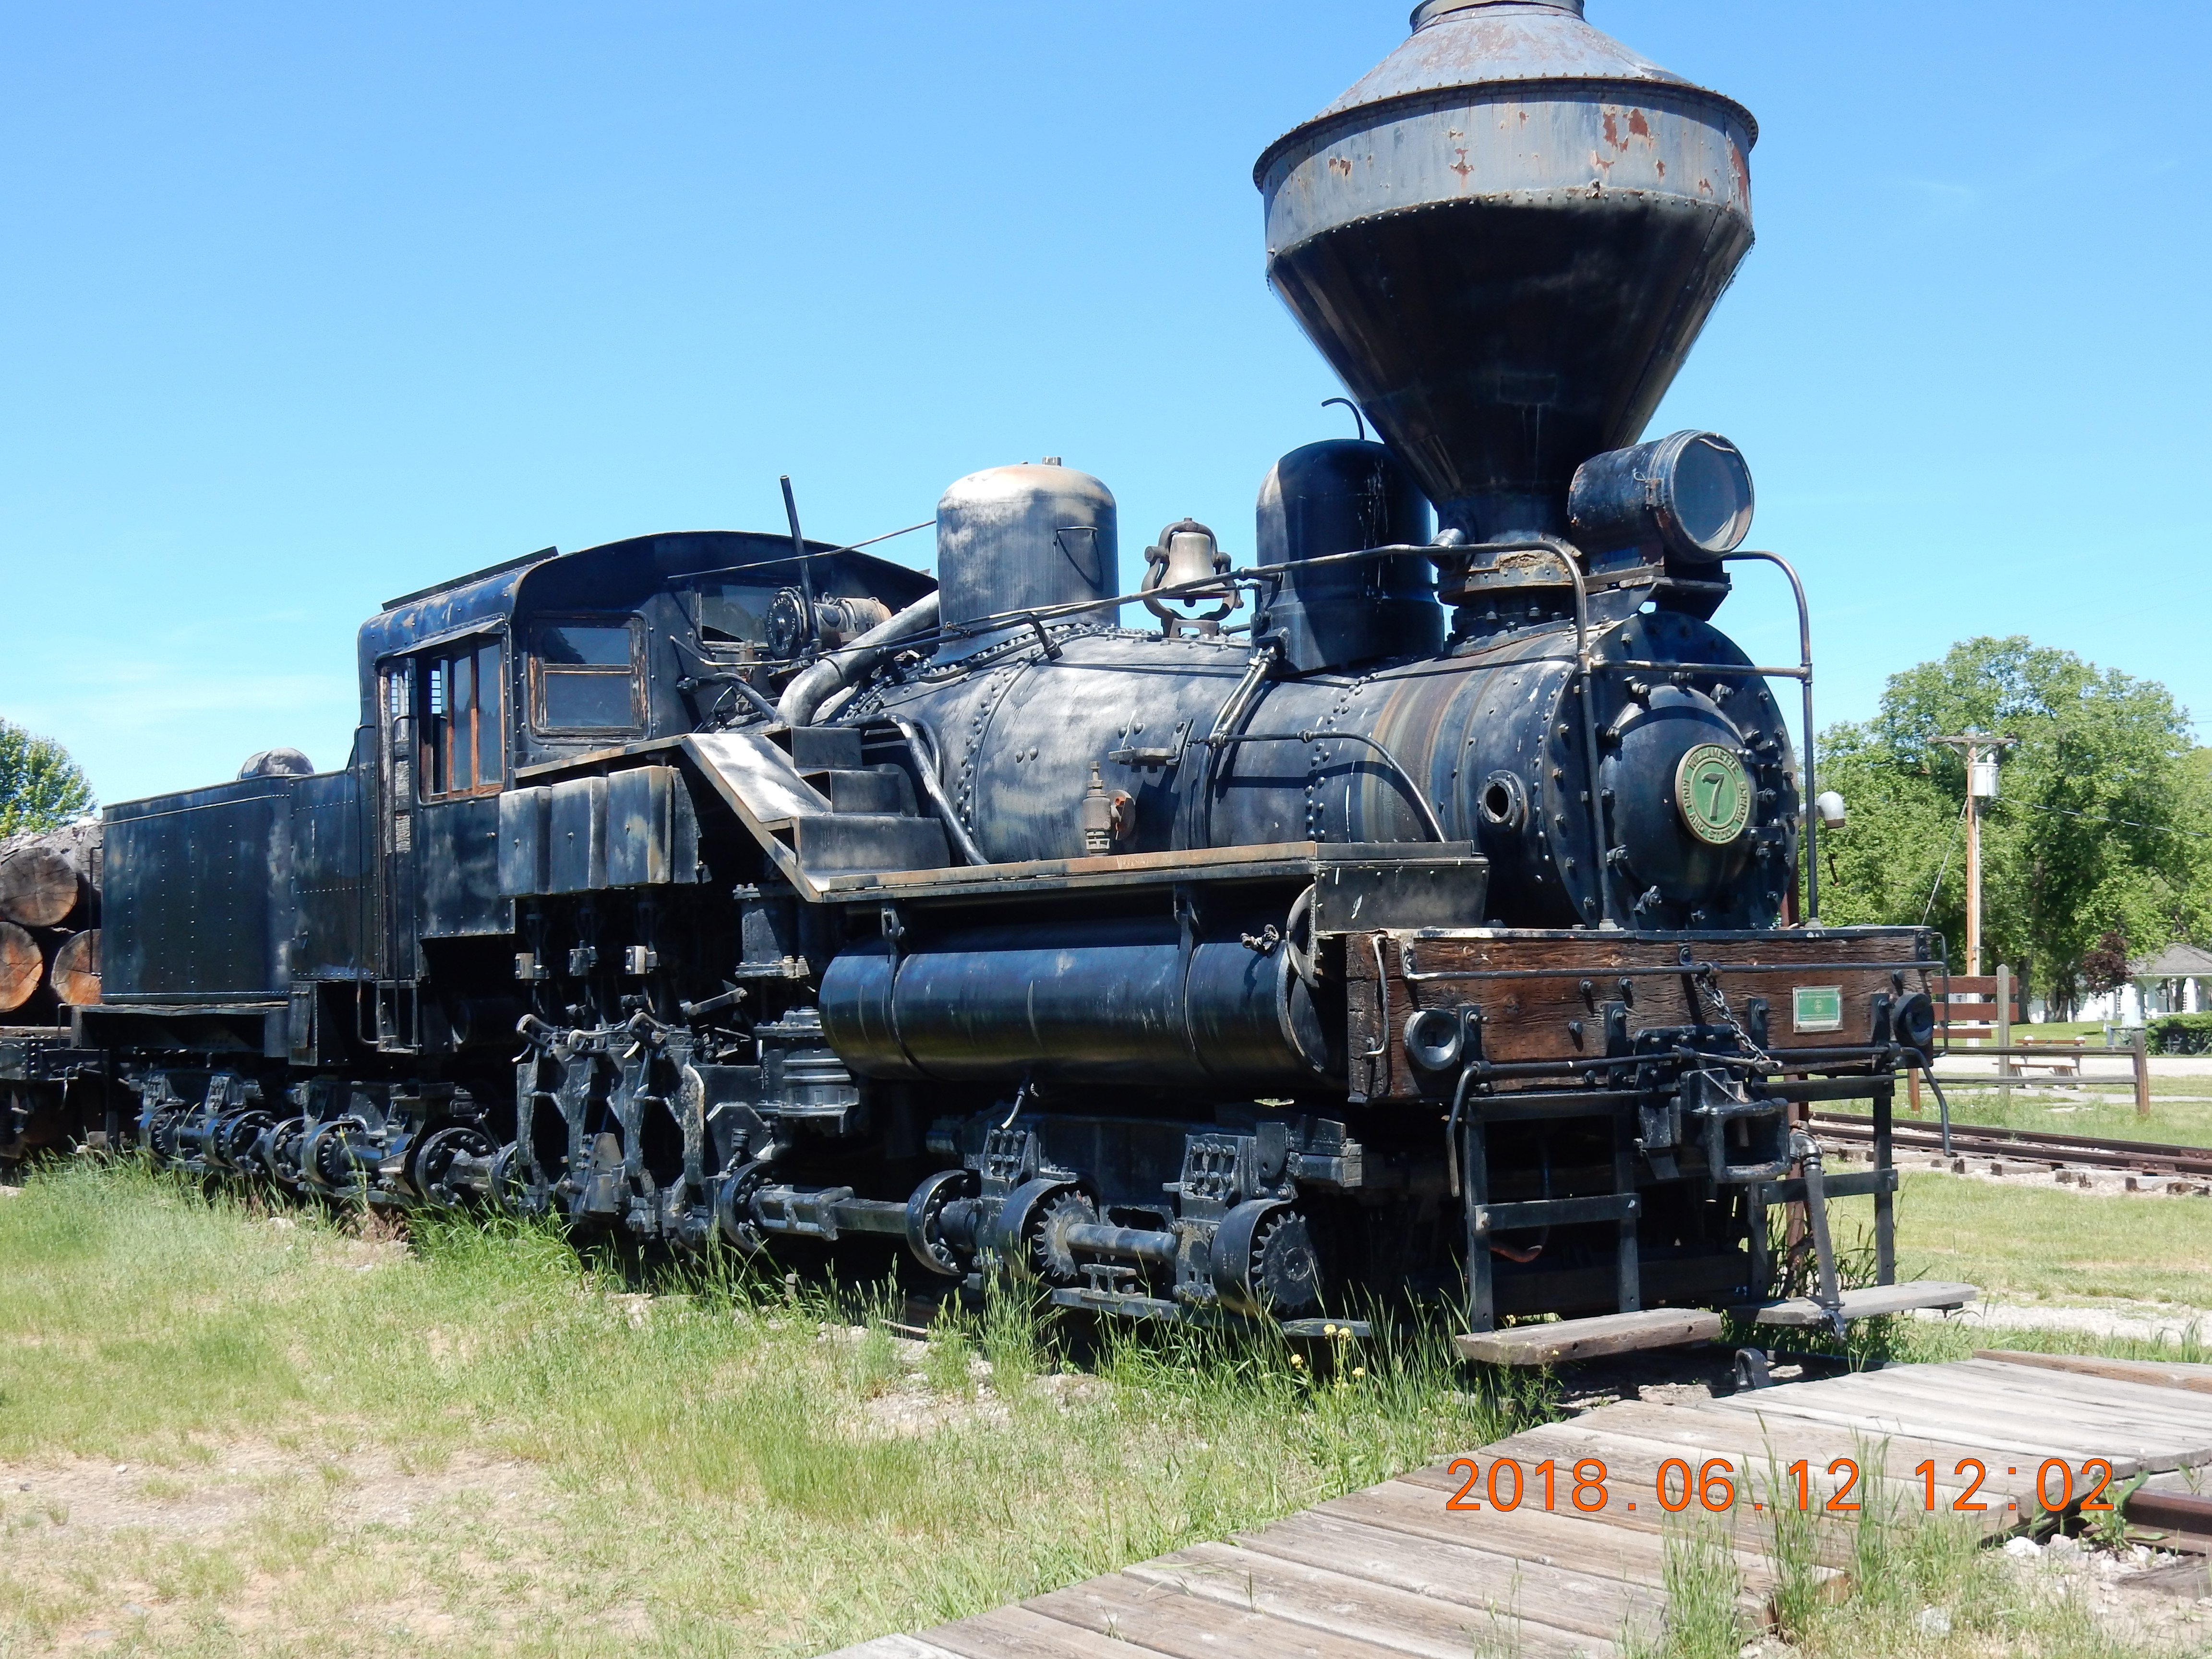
49	923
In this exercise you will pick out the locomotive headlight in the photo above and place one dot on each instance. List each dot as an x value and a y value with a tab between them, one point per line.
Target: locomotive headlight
1690	494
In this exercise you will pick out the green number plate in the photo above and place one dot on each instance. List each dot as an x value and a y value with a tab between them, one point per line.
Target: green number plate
1712	792
1817	1008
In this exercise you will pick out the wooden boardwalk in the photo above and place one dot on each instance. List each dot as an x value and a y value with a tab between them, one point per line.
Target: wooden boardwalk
1428	1564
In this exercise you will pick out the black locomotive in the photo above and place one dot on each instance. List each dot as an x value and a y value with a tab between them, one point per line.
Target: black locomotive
1430	926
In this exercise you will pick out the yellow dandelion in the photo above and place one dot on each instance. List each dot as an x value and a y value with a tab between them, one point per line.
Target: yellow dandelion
1359	1371
1298	1360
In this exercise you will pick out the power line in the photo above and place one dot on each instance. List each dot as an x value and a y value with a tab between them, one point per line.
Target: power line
1944	868
2099	817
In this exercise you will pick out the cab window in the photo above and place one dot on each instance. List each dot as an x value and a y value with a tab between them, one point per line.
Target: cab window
584	678
464	747
733	612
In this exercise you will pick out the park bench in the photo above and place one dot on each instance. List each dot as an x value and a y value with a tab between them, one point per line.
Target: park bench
2064	1060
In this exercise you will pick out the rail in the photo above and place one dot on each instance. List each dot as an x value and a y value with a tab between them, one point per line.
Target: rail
2026	1145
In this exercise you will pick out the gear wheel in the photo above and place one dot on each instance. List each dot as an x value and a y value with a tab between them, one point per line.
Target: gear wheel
1287	1276
1051	1257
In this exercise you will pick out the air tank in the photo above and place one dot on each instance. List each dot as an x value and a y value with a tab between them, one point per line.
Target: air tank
1505	240
1020	539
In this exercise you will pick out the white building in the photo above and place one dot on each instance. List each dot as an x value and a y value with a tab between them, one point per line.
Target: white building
2172	982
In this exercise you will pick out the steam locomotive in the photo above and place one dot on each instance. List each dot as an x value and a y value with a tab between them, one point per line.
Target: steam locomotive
1413	908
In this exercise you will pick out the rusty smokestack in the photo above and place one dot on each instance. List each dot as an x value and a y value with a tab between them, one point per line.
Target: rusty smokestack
1505	240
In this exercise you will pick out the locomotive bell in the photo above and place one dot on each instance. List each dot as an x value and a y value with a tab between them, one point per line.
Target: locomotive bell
1186	553
1505	240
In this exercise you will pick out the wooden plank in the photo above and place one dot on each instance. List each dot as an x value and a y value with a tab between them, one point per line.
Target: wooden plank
1972	1413
2147	1373
1819	1444
1589	1339
1631	1505
897	1647
1322	1599
1970	1402
1571	1542
1595	1604
1633	1501
1633	1462
1391	1571
1886	1421
1528	1019
1186	1627
2114	1405
1273	860
2173	1404
1870	1303
1017	1632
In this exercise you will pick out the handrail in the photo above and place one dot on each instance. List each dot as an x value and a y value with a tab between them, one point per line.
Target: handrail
923	746
1809	797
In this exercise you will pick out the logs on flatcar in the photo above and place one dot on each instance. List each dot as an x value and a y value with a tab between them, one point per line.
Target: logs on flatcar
73	975
22	968
50	896
39	885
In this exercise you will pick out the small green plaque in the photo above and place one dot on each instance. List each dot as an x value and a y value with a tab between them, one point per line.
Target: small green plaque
1817	1008
1712	792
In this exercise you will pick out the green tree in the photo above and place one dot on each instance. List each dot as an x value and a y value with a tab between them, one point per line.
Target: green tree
41	786
2103	827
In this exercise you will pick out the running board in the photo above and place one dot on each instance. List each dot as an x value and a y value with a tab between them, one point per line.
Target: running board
1871	1302
1591	1339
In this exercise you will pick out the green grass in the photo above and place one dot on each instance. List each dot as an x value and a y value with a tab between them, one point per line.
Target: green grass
2053	1243
270	1434
482	1445
2091	1029
1927	1587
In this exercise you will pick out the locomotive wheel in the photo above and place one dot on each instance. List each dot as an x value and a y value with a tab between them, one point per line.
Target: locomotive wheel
733	1207
331	1162
507	1187
1018	1235
1285	1275
230	1145
278	1149
433	1163
924	1216
1264	1261
159	1130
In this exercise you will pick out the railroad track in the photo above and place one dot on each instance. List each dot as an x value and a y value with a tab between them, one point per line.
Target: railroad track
2024	1146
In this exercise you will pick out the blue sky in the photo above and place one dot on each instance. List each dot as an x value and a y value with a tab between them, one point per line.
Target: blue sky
309	306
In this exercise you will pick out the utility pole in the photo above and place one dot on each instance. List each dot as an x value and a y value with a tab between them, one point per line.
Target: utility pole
1980	752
